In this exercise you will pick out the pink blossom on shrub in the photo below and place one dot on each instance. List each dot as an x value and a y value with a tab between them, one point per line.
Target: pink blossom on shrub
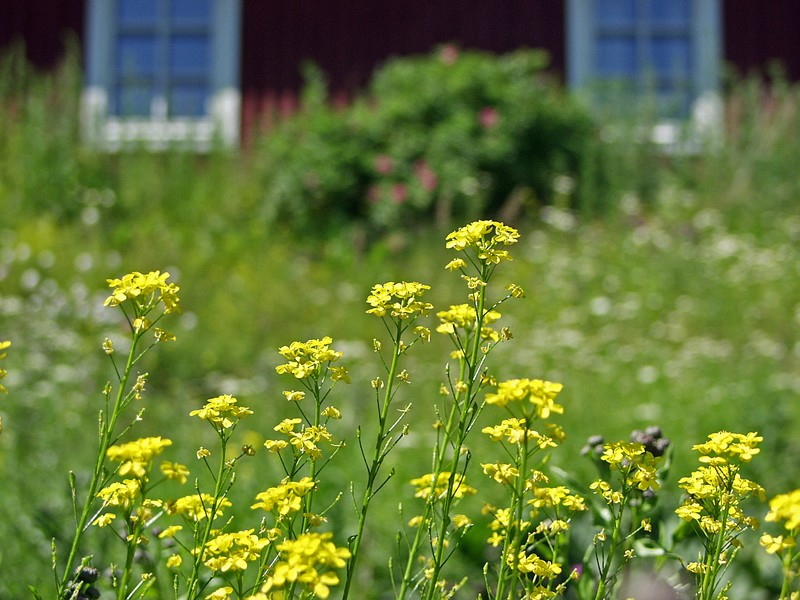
448	54
426	176
399	193
384	164
488	117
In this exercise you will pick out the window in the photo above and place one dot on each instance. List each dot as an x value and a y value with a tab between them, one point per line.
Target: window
162	71
668	51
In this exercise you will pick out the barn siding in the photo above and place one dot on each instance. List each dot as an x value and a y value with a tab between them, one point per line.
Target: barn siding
43	25
347	40
758	33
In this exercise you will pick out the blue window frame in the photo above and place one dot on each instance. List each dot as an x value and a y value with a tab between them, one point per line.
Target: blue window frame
624	50
161	71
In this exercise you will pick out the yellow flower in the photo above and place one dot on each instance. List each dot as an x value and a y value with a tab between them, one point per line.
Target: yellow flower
145	290
456	264
120	494
233	551
174	561
398	300
285	498
307	359
198	507
541	394
484	238
223	593
331	412
786	507
221	411
175	471
135	457
307	560
294	396
776	544
425	486
3	346
104	519
500	472
169	531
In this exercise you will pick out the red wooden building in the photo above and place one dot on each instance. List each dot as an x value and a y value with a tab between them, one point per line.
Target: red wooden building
167	69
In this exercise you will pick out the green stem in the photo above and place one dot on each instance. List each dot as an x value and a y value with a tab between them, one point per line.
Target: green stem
378	456
612	548
212	513
463	425
106	437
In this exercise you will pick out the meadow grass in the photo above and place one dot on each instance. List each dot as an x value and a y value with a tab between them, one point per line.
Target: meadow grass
678	309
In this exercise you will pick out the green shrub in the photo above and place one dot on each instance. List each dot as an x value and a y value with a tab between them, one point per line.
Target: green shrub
450	135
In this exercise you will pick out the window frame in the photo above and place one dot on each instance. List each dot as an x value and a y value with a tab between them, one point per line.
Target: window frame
705	60
220	124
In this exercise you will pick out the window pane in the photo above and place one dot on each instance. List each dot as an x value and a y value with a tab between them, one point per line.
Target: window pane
615	12
669	12
136	56
190	56
616	56
188	100
138	12
191	12
133	100
670	56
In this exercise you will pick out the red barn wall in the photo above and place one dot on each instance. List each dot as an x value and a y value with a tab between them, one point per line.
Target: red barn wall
347	40
756	34
43	26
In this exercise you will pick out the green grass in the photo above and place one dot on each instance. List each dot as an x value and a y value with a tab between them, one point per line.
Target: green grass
680	308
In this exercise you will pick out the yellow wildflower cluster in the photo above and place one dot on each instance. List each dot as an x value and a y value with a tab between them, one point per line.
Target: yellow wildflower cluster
532	564
783	508
724	446
307	561
501	472
198	507
234	551
556	496
304	441
426	487
715	489
636	464
175	471
285	498
399	300
516	432
541	394
146	290
486	238
786	507
136	456
3	373
464	316
307	359
120	494
501	522
221	411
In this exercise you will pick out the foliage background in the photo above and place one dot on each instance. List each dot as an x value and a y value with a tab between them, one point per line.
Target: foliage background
662	289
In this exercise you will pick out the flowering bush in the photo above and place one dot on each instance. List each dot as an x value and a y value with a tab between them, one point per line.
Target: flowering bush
194	543
449	135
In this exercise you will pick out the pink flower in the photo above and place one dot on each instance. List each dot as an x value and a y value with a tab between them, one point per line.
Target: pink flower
399	193
488	117
383	164
448	54
426	176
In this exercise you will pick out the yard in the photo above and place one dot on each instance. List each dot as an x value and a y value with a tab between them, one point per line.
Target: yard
675	303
